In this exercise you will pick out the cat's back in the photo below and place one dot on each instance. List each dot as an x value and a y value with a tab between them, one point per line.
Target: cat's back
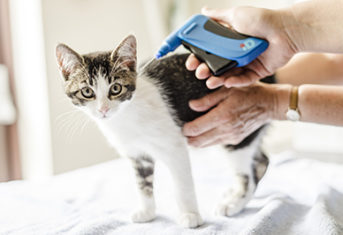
177	85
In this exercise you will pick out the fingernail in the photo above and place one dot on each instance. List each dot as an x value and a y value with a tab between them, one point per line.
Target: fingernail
201	74
196	106
212	84
188	67
193	103
209	83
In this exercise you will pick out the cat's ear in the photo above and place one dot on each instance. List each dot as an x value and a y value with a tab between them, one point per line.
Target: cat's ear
68	60
126	53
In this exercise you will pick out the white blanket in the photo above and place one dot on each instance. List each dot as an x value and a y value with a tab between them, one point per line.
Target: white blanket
297	196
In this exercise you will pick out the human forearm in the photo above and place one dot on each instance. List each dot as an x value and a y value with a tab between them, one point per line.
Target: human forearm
312	68
318	104
315	25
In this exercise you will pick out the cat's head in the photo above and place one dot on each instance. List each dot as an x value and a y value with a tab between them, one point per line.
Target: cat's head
99	83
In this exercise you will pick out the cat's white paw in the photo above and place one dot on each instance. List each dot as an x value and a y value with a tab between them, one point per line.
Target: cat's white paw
231	205
142	216
234	200
190	220
229	209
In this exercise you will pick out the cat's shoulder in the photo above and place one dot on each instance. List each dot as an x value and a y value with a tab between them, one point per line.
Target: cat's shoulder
166	66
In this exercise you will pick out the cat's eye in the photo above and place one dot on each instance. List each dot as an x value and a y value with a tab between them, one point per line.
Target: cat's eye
115	89
87	92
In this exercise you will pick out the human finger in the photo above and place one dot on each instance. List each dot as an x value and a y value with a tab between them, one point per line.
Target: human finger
202	71
204	123
245	79
205	138
218	14
208	101
214	82
192	62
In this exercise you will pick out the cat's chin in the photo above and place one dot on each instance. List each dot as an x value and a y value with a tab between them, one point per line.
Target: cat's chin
104	118
99	117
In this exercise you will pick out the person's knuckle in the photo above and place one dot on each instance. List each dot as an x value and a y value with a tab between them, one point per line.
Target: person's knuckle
222	117
223	140
240	124
226	128
234	139
230	117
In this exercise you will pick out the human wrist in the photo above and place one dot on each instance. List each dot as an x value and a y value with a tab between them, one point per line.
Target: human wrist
280	94
290	29
309	25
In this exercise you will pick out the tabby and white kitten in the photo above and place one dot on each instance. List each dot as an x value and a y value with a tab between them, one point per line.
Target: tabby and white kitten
142	115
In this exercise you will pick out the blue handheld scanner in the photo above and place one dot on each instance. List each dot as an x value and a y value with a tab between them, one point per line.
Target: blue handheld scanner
218	46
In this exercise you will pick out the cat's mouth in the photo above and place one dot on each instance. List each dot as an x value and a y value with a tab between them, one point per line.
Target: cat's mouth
103	116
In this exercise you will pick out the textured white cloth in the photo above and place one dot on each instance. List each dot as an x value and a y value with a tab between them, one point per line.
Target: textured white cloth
297	196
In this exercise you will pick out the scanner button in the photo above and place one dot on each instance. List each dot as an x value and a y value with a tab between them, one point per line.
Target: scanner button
190	28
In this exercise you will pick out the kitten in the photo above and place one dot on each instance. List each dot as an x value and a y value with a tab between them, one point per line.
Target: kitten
142	115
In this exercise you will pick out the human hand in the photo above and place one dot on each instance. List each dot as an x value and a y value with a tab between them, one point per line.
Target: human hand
237	112
258	22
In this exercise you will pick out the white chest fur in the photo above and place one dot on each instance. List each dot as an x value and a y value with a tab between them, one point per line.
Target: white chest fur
143	124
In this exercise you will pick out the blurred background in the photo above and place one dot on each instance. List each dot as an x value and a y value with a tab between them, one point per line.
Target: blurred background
42	134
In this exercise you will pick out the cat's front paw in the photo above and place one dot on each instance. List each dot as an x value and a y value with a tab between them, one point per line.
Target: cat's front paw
231	205
228	209
190	220
234	201
143	216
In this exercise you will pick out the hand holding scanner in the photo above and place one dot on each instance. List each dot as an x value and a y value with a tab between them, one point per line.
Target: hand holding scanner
218	46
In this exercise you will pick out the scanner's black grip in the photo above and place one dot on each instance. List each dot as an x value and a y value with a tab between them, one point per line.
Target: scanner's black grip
218	65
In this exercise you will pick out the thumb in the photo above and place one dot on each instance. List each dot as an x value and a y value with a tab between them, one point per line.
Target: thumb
218	14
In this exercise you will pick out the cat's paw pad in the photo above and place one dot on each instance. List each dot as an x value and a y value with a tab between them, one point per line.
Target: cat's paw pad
142	216
191	220
227	210
230	207
234	201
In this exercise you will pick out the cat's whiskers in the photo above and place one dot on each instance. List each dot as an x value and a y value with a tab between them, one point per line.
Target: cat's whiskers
62	119
67	113
76	127
65	124
85	123
70	124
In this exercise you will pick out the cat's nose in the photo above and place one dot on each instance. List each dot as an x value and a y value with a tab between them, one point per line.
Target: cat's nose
103	110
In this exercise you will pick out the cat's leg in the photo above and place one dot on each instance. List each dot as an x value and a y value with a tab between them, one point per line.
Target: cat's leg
178	163
144	169
248	166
